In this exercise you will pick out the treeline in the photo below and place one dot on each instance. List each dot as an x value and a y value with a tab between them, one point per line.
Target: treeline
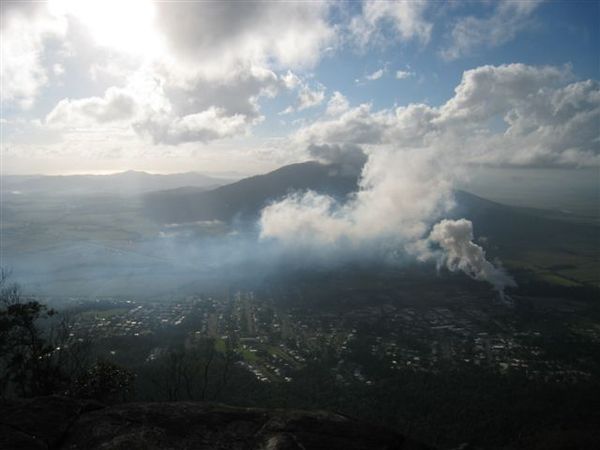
40	356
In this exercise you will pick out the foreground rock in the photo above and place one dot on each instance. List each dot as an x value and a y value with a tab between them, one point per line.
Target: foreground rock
62	423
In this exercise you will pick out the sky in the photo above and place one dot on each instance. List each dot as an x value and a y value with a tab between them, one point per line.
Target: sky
244	87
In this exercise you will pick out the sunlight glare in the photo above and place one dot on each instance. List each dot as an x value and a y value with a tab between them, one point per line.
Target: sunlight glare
126	26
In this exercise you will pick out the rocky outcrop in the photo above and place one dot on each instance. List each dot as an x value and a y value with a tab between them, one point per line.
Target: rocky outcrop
64	423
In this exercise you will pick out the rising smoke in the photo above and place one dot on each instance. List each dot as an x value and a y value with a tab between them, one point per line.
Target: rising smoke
459	252
349	157
401	194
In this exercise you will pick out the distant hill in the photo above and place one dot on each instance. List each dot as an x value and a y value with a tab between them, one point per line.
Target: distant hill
130	182
560	247
523	227
245	198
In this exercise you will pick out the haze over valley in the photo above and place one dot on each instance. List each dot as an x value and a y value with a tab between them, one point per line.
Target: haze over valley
114	234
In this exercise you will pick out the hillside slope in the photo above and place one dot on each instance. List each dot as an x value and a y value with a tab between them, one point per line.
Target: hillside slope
245	198
559	247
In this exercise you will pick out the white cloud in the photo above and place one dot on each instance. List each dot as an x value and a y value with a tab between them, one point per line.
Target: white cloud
291	80
213	123
358	125
337	104
185	110
116	105
403	19
226	34
546	120
175	108
114	70
308	98
25	29
220	63
375	75
404	74
236	93
58	69
508	19
286	111
489	90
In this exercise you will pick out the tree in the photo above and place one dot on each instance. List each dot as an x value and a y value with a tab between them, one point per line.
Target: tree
104	381
196	371
36	360
25	355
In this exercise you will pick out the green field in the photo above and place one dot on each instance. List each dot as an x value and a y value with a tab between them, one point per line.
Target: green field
574	268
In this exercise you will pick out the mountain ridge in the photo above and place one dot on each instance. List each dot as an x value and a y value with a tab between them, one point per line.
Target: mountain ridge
128	182
244	198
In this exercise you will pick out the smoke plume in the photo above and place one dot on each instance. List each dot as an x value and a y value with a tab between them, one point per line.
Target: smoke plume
459	252
401	193
350	157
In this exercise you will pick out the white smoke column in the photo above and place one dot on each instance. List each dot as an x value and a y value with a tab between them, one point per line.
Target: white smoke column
304	218
400	194
459	252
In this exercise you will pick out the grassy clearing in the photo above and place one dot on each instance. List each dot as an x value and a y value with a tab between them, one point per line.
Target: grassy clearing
249	356
220	345
562	268
556	279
